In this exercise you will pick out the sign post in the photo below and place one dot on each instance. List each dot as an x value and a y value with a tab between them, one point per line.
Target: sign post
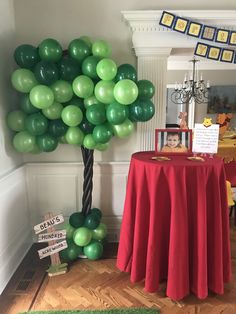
53	237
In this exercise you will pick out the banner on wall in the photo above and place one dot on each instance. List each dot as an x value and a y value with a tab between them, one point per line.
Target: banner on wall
205	32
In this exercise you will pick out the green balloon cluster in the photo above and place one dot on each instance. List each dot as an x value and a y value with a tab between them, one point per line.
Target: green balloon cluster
84	236
76	96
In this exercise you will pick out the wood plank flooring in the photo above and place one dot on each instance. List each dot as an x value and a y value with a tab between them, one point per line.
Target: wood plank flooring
99	284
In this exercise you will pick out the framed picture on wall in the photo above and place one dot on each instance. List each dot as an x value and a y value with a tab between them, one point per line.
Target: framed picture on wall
173	142
222	99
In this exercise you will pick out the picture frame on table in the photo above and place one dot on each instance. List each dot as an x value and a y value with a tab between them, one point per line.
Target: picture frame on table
173	142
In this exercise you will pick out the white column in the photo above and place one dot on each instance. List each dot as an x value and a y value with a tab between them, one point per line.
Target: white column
152	66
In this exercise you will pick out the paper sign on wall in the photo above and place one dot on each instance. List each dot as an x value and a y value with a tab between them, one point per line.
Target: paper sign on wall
205	139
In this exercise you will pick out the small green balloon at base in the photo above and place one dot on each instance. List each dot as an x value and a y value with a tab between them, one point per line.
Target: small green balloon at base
82	236
94	250
69	230
100	232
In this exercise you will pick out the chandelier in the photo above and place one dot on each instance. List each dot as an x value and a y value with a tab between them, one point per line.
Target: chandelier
192	89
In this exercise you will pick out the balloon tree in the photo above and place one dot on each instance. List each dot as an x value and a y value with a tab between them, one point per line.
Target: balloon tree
77	96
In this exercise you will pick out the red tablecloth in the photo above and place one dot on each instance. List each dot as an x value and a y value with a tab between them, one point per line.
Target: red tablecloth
175	225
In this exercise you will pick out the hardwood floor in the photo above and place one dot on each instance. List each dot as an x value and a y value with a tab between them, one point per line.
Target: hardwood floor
99	284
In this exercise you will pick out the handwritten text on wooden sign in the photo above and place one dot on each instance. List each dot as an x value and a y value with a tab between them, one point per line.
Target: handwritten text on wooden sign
52	249
56	235
48	223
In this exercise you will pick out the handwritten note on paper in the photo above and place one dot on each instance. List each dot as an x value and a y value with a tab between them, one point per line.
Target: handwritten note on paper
205	139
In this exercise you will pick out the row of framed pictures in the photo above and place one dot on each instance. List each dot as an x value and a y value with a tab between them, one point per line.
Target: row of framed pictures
198	30
215	53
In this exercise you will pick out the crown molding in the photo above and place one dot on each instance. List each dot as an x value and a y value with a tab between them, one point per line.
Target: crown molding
147	20
151	39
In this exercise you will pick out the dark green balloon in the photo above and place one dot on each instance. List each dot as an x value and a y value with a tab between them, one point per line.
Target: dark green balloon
96	114
126	71
141	111
36	124
26	105
102	134
146	89
46	72
79	49
87	40
93	250
47	142
72	252
57	128
86	127
92	221
116	113
26	56
96	211
50	50
69	68
76	220
89	66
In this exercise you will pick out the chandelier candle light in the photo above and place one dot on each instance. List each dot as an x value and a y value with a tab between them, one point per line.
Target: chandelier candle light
192	88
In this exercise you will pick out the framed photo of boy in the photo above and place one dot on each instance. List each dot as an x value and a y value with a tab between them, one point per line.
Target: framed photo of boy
173	142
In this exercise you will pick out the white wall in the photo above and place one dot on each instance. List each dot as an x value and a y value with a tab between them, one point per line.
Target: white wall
9	159
15	236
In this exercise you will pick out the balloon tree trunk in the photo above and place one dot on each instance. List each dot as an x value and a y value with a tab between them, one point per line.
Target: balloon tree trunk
88	179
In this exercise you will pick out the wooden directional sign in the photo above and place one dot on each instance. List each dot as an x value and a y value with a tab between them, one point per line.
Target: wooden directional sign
52	249
52	236
48	223
56	235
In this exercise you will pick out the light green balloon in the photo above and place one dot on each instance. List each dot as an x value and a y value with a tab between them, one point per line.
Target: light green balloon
16	120
104	91
82	236
72	115
89	142
124	129
102	147
24	142
90	101
100	232
74	136
106	69
69	231
23	80
41	96
62	91
101	48
125	92
54	111
83	86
